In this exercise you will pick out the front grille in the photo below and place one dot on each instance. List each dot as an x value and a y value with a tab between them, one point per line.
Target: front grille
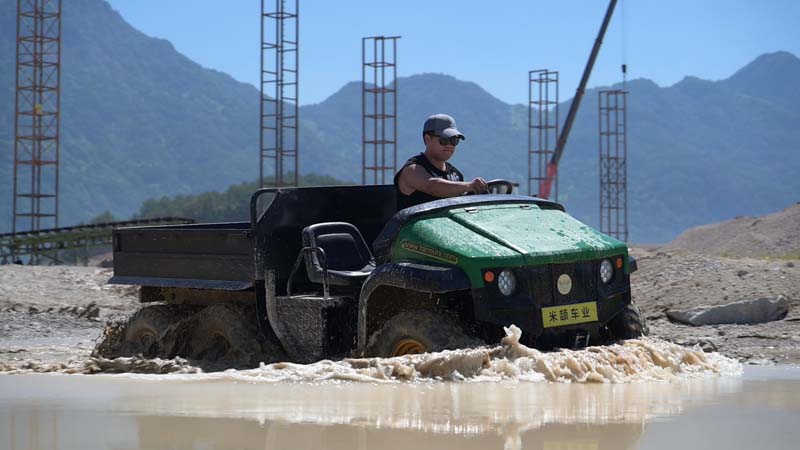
541	283
537	284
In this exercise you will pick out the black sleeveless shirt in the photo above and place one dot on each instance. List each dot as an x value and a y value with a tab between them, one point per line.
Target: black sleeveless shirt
417	197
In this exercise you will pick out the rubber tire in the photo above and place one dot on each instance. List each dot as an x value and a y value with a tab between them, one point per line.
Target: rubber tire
435	330
628	324
225	331
145	332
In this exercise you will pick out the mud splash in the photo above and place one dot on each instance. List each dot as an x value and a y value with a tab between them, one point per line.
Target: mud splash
630	361
108	366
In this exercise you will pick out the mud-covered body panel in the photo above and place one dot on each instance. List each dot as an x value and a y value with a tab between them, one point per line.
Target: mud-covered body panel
505	235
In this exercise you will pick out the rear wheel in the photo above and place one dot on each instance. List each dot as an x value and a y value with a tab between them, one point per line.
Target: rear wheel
628	324
146	332
419	331
225	332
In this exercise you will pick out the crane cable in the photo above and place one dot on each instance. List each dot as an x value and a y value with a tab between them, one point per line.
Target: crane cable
624	46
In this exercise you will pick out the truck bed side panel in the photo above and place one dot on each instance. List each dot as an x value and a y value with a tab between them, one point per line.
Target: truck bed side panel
207	257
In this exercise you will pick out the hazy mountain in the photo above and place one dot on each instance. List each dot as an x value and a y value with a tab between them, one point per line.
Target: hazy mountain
140	121
699	151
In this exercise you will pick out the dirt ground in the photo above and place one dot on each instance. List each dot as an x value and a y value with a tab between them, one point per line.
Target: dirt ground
680	279
57	314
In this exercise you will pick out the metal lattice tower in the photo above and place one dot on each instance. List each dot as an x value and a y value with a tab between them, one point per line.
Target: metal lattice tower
36	120
379	109
613	163
542	126
279	87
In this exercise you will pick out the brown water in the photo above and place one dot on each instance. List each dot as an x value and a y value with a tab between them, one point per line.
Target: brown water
758	408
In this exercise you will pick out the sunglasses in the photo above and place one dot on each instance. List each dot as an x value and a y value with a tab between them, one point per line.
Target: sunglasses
453	140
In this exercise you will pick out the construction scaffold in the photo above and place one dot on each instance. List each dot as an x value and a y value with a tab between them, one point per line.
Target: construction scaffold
542	126
67	244
379	109
613	128
279	111
36	120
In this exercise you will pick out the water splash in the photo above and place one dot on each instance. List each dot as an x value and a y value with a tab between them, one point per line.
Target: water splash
630	361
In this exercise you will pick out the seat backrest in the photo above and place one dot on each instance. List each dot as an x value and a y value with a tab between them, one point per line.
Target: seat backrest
342	243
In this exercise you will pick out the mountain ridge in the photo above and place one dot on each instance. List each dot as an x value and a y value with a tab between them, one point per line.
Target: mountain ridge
141	121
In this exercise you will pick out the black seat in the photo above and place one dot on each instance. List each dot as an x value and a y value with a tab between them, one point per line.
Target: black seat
347	255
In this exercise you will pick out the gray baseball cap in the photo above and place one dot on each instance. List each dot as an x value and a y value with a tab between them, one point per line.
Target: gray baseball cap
443	125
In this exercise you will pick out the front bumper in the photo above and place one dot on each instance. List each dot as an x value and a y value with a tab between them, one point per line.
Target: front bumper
537	290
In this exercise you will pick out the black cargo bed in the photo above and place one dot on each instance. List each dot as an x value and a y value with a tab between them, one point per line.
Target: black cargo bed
201	256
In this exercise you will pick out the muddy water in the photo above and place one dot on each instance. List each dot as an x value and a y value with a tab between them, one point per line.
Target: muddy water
758	408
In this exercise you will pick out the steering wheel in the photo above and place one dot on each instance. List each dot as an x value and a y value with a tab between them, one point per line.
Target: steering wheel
500	186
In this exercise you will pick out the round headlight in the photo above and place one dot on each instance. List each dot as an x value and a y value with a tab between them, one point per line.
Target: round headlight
606	271
507	282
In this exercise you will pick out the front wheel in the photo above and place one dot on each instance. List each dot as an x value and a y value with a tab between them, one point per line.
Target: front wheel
418	331
628	324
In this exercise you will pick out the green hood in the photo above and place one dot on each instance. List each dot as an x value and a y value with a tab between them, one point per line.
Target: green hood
502	236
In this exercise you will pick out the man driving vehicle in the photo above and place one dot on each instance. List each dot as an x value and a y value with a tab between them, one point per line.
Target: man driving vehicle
429	176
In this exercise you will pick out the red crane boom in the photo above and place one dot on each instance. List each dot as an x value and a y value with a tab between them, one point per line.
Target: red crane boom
552	166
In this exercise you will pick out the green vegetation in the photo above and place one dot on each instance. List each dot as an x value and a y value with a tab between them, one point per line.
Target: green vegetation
106	217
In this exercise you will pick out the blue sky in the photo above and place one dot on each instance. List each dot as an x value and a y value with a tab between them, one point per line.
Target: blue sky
493	44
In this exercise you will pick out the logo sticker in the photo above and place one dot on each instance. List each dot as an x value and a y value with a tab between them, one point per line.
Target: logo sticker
564	284
430	252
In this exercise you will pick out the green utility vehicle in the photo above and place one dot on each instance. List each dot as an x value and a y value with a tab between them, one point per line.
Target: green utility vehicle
329	272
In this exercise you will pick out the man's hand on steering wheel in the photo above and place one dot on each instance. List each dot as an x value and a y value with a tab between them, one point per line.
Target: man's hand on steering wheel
500	186
479	186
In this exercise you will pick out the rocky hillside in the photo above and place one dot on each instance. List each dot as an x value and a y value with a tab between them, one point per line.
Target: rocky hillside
775	235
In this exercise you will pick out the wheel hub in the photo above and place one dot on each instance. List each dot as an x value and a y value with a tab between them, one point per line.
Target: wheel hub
408	347
147	339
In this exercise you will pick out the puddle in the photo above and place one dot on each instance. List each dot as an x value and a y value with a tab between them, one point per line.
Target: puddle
221	411
642	393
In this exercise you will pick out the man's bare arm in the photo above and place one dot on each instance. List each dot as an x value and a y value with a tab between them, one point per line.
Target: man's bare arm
415	178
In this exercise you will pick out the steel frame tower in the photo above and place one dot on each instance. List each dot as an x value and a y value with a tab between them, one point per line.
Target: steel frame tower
379	109
279	110
613	128
36	120
542	126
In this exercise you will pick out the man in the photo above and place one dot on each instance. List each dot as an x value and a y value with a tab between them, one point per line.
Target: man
428	176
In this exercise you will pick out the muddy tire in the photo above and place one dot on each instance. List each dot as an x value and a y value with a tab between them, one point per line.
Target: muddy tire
148	333
419	331
225	332
628	324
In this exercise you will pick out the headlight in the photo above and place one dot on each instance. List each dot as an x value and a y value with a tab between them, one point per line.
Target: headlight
507	282
606	271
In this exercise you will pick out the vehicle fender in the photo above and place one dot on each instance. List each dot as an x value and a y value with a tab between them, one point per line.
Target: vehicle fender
411	276
632	264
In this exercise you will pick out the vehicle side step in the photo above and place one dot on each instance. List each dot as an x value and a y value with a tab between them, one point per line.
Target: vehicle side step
319	327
